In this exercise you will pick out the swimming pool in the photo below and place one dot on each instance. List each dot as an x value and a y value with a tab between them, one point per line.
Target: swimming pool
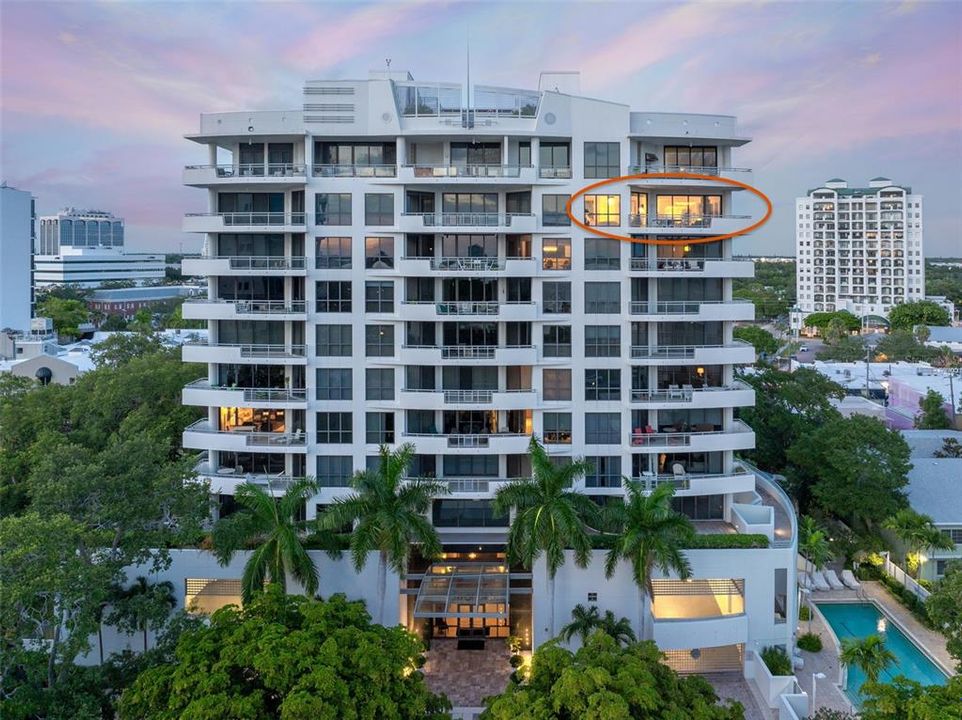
860	620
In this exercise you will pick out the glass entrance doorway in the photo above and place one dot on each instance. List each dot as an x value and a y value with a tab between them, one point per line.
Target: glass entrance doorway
465	600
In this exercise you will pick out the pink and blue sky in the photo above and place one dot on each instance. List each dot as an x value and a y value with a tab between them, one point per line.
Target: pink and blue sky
96	96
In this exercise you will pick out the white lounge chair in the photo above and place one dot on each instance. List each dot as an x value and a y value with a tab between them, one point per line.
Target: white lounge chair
818	582
849	579
833	580
803	581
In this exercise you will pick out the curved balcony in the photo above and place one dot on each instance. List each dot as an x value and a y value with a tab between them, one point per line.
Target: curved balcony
333	170
738	436
206	309
238	353
469	222
456	174
738	394
699	267
240	265
736	352
278	222
201	435
225	480
203	393
683	633
245	174
695	309
730	173
689	223
470	443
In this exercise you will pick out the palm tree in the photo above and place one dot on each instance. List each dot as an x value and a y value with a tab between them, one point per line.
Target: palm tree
868	654
617	628
584	621
919	534
650	534
271	524
549	517
142	606
813	543
389	513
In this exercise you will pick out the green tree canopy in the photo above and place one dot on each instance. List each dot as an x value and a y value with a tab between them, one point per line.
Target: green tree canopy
787	407
288	657
122	347
762	340
868	654
944	607
847	348
822	320
921	312
903	345
604	681
854	468
932	414
904	699
67	315
919	534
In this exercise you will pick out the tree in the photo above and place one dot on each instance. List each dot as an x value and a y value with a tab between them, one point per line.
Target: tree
821	320
549	517
868	654
932	415
584	621
388	511
270	524
143	606
288	656
113	323
67	315
603	681
919	534
944	607
951	448
899	345
762	340
175	320
788	406
853	468
835	331
904	699
121	348
847	348
617	628
143	321
650	534
813	543
922	312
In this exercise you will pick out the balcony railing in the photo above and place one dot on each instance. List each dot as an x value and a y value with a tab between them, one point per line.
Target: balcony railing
673	307
258	350
249	394
467	264
252	437
471	352
253	170
659	439
670	264
468	440
682	220
554	173
469	396
694	169
469	171
261	262
468	219
335	170
241	219
678	351
256	307
468	308
680	393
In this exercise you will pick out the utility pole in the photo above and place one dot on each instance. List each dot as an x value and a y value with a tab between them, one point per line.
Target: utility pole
868	355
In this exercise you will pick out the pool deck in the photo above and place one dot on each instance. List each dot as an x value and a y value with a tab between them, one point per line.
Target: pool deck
828	694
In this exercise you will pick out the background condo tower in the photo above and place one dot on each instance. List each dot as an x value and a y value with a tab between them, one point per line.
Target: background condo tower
386	265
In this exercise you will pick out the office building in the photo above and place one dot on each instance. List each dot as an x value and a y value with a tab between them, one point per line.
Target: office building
391	264
16	240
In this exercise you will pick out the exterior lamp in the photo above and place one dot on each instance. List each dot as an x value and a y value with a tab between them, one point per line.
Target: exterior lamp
687	248
815	678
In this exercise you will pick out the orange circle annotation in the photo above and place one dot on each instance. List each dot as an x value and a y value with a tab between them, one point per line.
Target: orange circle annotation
687	240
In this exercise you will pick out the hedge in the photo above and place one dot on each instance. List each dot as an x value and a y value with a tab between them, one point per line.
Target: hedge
716	541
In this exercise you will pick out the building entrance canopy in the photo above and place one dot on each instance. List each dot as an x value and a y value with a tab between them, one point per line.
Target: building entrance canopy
463	590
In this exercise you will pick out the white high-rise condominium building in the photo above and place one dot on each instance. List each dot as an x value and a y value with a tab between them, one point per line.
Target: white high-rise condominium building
86	248
16	239
859	248
387	266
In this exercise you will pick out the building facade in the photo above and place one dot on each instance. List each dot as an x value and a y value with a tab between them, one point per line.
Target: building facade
16	240
859	248
393	264
86	248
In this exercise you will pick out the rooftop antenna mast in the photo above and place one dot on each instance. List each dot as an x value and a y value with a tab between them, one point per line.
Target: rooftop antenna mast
468	120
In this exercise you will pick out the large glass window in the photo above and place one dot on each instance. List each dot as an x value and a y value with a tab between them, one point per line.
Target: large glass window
333	296
332	208
379	428
334	470
334	428
379	296
465	513
602	253
602	160
554	155
557	341
334	384
603	210
695	158
602	428
638	211
475	153
379	340
556	253
557	428
249	244
246	332
685	207
603	384
465	202
556	383
518	203
333	340
470	465
557	297
333	253
604	471
553	210
378	209
602	297
602	341
379	253
379	384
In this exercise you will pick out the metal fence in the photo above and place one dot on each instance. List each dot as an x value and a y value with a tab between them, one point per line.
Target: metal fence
901	577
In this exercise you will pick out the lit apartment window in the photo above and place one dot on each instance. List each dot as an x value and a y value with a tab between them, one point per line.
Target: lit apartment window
332	208
602	210
556	383
638	212
334	384
333	340
688	206
553	210
557	428
334	428
556	253
602	160
379	253
333	297
333	253
378	209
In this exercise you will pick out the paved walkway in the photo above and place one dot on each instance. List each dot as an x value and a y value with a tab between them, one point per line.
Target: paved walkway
467	677
732	686
828	694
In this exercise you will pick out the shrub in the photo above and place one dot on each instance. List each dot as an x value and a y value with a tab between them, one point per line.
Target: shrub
718	541
810	642
777	662
827	714
516	661
804	613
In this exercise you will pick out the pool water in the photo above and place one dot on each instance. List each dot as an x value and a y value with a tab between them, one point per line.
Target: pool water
860	620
